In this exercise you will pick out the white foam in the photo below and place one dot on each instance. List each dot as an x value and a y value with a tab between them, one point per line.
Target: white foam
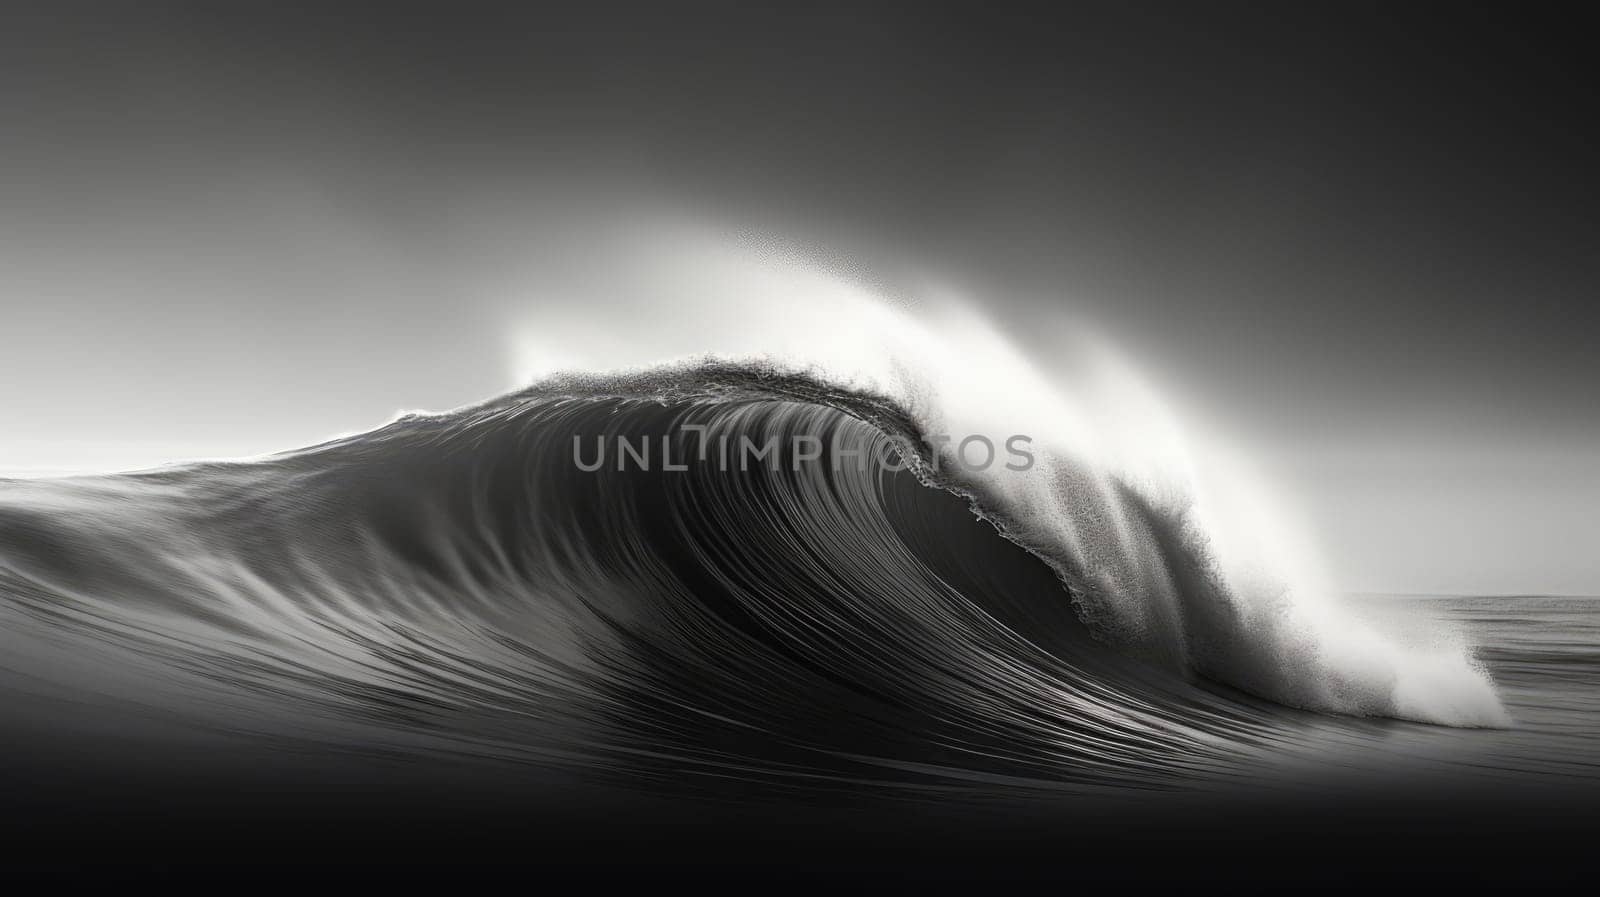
1264	619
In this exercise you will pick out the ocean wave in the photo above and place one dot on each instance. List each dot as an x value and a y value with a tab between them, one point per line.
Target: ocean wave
457	585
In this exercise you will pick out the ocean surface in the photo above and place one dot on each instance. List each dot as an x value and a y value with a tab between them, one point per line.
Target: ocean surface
1543	653
469	627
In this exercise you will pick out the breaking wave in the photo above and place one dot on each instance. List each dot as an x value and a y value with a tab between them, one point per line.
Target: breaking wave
472	585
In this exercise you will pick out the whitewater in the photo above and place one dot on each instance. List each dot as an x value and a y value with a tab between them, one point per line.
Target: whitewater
1192	565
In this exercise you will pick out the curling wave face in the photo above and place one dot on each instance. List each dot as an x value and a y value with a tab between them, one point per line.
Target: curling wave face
457	585
469	587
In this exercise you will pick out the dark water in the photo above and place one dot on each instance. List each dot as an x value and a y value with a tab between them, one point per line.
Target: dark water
440	642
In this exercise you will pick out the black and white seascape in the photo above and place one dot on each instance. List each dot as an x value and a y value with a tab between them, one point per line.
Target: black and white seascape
1043	463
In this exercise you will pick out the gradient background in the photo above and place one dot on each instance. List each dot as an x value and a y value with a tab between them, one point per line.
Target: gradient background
1361	246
